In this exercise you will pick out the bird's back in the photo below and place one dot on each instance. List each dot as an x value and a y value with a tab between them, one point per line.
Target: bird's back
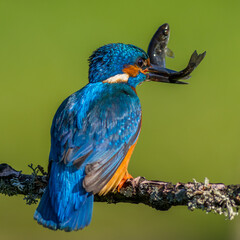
97	116
92	132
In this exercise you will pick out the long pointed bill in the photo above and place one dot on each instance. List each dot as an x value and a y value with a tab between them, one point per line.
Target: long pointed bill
159	74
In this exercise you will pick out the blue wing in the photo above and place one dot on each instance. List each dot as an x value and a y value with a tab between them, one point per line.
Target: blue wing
94	129
92	132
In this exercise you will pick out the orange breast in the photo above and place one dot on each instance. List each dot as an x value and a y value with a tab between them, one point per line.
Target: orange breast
119	174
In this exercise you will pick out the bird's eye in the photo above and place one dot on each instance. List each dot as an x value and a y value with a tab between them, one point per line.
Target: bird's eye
141	62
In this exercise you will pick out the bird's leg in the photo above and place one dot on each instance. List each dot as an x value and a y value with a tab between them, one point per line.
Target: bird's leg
125	178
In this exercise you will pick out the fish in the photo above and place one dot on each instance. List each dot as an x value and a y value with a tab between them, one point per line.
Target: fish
162	74
157	49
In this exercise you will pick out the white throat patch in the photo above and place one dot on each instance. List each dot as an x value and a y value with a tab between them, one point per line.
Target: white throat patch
117	78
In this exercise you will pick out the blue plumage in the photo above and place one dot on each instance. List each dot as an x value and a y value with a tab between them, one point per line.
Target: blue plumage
65	205
91	133
94	132
109	60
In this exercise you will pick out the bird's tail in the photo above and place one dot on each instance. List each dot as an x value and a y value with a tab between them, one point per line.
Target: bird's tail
67	210
45	214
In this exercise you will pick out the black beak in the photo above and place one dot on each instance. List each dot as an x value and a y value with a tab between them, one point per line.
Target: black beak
160	74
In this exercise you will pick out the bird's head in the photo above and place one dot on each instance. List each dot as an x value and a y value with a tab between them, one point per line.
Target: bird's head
120	63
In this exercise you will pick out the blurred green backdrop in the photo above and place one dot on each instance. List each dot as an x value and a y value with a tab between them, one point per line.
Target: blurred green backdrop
188	131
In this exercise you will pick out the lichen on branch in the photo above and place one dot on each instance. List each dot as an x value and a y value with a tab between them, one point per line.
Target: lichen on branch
210	197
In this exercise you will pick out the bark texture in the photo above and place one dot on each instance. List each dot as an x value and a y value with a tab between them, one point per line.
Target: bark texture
210	197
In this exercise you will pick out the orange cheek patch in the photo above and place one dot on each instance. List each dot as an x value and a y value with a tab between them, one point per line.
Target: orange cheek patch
131	70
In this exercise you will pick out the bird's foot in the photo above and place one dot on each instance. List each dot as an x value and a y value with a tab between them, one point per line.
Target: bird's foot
125	178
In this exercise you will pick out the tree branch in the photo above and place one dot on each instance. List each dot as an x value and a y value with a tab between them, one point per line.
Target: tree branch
210	197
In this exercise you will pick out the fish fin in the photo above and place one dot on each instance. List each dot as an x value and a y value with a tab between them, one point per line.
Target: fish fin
169	53
196	59
186	78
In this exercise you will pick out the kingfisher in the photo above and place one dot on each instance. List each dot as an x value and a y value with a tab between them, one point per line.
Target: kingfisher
94	133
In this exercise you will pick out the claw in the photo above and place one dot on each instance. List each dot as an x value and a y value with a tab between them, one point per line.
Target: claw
125	178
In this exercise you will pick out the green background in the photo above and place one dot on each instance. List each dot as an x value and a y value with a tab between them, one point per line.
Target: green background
188	131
